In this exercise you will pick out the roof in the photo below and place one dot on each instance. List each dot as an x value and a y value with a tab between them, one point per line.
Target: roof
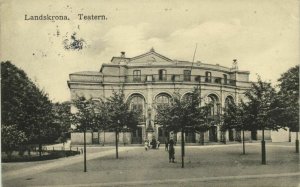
86	73
152	51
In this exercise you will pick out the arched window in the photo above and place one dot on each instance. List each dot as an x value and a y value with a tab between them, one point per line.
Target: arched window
228	100
162	99
208	76
215	105
137	103
187	97
162	75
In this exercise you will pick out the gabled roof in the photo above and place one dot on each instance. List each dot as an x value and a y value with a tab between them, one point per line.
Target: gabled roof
151	52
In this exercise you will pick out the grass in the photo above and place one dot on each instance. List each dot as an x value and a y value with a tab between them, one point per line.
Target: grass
34	156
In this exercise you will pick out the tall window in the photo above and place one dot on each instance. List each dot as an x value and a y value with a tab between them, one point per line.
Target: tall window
225	78
137	75
215	107
137	103
162	75
187	97
229	100
187	75
162	99
207	76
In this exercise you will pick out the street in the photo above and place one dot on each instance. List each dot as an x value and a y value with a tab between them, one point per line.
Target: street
213	165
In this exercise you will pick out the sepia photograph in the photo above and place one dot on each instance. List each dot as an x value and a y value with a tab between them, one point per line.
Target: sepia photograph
150	93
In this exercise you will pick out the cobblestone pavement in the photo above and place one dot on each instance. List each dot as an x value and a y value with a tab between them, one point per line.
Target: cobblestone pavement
217	165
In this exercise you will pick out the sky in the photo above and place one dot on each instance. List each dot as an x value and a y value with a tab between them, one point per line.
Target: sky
263	35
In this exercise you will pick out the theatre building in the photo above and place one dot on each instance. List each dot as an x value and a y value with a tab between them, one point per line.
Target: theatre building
149	80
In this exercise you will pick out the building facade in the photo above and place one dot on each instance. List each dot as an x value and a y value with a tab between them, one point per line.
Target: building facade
151	79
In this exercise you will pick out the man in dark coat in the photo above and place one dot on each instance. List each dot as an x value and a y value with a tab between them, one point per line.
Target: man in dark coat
171	151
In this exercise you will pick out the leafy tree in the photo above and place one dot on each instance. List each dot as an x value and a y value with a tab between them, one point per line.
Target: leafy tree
289	99
26	106
112	114
84	118
234	118
262	109
11	138
120	117
183	115
62	117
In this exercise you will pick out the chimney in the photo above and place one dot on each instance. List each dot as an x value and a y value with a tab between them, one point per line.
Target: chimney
235	64
122	54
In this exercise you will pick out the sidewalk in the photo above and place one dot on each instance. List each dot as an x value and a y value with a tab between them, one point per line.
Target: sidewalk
215	165
62	162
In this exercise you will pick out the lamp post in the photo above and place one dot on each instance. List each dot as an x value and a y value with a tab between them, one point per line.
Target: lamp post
84	147
263	143
243	141
182	147
84	142
117	139
263	148
297	130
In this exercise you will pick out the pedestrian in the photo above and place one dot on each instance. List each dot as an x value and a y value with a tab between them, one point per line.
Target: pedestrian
157	144
166	144
146	145
171	151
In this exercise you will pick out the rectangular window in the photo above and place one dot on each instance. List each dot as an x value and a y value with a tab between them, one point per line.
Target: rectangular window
162	75
207	76
137	76
187	75
149	78
218	80
225	78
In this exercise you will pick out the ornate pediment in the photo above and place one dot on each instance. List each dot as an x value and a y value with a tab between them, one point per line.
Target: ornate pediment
151	58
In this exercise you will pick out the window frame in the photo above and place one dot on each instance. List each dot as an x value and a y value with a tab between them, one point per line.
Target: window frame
162	75
136	75
187	76
207	76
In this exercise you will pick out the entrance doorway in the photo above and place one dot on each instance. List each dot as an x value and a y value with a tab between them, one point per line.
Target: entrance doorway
230	134
136	137
254	135
213	136
190	137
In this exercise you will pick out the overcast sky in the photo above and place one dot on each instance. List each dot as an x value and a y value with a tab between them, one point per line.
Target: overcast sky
262	34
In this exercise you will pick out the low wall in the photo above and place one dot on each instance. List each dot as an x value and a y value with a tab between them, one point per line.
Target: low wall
77	137
293	136
267	135
100	138
280	136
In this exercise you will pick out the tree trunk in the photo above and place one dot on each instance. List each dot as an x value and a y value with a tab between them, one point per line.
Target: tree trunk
103	138
84	150
182	148
297	143
40	149
117	141
263	148
244	142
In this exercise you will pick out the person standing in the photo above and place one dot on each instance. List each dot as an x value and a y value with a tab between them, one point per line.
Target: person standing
166	144
171	151
146	145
